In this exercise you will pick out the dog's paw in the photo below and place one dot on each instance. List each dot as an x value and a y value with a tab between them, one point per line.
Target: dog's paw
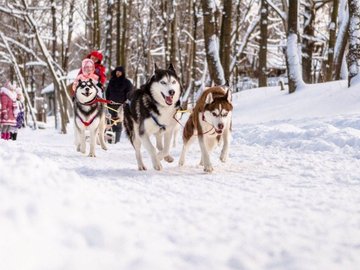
91	155
208	168
158	166
142	168
181	161
223	158
104	147
169	159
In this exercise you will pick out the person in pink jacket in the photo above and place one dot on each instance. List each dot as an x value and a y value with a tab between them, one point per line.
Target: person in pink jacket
87	73
8	109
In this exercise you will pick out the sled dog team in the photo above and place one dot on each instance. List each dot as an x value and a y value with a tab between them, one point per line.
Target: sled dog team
151	111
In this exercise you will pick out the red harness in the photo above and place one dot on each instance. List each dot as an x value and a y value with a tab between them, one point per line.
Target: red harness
101	100
88	123
95	100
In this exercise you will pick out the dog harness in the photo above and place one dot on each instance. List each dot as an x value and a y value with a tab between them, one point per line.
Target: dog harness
162	127
87	123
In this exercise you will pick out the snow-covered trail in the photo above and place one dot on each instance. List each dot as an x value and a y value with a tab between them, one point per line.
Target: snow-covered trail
287	199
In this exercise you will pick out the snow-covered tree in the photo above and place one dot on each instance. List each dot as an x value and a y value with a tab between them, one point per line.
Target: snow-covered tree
263	43
212	41
292	50
354	42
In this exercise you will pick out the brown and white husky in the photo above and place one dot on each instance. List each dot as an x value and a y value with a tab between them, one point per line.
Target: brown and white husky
210	122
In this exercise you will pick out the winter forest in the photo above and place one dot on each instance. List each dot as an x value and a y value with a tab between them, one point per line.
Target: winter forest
284	194
249	43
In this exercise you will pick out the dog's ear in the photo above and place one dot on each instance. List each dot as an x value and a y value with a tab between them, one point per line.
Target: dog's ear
228	95
209	99
155	67
171	68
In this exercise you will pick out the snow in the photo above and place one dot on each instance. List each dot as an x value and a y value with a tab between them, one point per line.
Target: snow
71	76
288	198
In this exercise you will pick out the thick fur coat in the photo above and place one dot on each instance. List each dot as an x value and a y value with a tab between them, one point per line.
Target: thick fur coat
210	122
149	112
88	115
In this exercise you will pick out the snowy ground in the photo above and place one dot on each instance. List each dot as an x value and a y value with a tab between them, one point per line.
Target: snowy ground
289	197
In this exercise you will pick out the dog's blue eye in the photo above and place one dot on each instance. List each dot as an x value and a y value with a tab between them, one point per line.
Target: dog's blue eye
162	82
224	115
214	114
173	82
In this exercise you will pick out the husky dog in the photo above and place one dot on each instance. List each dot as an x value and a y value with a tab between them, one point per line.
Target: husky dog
89	115
150	111
210	121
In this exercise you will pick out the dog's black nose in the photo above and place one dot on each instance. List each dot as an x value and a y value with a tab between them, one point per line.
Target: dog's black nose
220	126
171	92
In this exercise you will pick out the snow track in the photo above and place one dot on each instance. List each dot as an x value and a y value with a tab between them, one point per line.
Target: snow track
287	199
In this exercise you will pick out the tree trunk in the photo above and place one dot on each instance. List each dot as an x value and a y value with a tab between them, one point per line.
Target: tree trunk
125	18
97	36
263	44
212	42
149	65
56	88
118	33
292	51
166	27
69	36
341	40
225	38
89	25
174	49
354	40
195	20
332	40
108	35
308	41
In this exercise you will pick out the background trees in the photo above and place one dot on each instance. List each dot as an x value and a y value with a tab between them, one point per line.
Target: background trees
244	41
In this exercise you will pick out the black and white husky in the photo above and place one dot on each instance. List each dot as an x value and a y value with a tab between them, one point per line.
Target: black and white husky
89	115
150	112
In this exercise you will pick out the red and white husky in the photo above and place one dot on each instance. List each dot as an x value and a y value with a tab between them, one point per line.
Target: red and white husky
210	122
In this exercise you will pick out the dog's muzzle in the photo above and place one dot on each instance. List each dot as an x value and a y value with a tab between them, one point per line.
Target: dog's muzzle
169	99
219	129
87	92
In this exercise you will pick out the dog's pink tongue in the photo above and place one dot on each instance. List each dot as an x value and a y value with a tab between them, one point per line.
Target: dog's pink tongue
169	100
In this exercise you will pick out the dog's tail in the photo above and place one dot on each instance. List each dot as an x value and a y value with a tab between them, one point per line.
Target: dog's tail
128	123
